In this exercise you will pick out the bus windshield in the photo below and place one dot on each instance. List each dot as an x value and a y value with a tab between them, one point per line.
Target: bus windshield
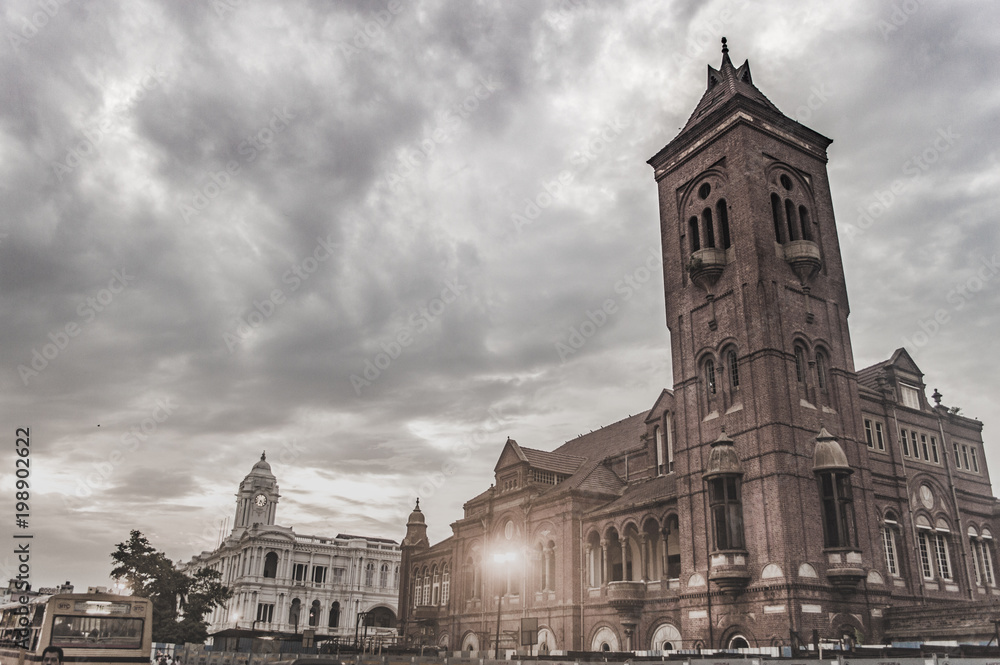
99	632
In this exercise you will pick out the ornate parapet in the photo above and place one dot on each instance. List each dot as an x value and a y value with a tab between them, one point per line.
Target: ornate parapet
627	597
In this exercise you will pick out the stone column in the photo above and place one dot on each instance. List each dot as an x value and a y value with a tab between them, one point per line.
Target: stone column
663	557
547	568
604	562
643	546
589	553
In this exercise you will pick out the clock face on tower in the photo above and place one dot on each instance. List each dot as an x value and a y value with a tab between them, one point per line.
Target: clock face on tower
260	500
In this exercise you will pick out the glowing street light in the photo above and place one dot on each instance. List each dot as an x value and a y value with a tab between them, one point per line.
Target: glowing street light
504	559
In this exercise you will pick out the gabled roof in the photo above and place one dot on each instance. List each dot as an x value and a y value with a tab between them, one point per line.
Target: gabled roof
608	441
665	402
537	459
900	359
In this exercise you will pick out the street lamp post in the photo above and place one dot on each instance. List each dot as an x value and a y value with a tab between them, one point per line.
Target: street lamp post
501	558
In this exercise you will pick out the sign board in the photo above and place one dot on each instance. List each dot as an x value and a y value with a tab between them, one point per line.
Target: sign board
529	631
307	638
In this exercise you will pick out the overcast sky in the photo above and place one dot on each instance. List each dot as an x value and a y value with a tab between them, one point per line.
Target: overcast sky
217	214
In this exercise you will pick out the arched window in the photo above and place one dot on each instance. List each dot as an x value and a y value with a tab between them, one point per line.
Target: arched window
734	369
314	610
739	642
800	364
710	377
804	220
548	564
446	584
427	587
706	218
270	564
669	442
821	365
418	588
723	214
370	574
334	619
778	221
724	500
838	508
673	536
435	586
294	612
943	554
693	232
472	581
383	576
985	546
395	578
793	227
658	442
890	528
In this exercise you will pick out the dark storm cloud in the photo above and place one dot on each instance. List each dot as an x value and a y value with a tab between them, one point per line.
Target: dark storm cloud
354	237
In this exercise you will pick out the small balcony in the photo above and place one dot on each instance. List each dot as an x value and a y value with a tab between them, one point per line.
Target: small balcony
627	597
729	572
803	256
706	266
426	612
844	570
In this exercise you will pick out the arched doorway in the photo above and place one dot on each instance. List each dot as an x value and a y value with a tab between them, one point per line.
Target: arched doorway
605	639
546	642
380	617
665	638
470	642
739	642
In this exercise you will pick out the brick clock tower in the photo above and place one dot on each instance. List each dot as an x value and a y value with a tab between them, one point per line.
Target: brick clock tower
767	451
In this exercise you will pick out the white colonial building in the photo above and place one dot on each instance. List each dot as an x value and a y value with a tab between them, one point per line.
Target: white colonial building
286	583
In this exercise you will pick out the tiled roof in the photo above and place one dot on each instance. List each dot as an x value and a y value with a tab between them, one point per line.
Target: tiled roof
643	492
607	441
591	477
868	376
552	461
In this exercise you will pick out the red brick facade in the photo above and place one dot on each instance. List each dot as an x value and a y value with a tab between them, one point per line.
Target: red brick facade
770	492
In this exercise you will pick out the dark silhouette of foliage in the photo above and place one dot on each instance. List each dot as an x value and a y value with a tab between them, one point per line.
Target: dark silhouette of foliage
180	601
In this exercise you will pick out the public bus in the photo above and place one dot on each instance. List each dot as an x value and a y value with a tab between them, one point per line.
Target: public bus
96	628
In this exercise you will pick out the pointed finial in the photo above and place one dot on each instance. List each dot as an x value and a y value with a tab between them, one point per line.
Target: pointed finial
417	507
725	49
937	397
263	456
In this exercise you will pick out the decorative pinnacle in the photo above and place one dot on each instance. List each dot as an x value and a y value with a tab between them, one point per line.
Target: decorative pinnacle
263	456
418	504
725	49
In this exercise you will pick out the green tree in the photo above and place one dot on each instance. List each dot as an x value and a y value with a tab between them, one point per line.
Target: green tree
180	602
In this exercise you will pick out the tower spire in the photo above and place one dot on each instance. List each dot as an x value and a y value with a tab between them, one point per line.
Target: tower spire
725	54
